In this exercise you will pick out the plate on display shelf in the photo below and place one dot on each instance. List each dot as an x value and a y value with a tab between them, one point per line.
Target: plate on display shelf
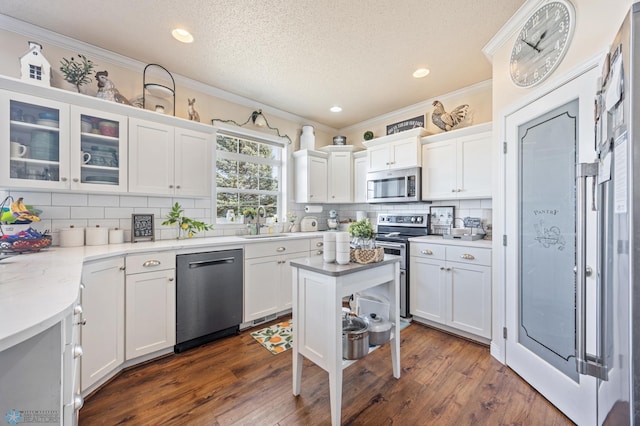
159	90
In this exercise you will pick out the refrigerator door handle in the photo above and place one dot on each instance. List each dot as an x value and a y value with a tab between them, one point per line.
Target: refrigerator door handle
587	364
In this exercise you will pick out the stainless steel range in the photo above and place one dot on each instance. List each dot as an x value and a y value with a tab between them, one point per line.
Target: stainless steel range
394	231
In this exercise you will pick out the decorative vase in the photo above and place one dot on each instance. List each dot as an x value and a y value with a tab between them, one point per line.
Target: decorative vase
308	138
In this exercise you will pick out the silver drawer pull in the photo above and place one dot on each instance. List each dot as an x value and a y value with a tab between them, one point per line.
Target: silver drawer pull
467	256
319	252
427	251
319	244
150	263
280	249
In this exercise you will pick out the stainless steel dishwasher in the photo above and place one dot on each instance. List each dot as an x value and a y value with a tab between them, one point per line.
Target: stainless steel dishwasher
208	297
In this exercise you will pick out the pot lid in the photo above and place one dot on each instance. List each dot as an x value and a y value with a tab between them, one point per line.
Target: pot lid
377	323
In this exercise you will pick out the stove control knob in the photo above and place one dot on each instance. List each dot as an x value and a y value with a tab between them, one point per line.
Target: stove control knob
413	219
419	219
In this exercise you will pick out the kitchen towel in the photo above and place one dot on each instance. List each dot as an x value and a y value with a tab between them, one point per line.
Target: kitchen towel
312	209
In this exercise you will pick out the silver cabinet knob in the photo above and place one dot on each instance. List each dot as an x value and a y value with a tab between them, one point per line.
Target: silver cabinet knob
171	186
63	179
77	310
319	244
281	249
426	251
78	402
76	180
77	351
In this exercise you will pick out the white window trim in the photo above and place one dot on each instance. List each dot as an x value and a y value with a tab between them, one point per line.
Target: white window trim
261	137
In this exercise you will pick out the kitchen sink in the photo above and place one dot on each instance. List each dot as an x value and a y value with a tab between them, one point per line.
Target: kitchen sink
251	237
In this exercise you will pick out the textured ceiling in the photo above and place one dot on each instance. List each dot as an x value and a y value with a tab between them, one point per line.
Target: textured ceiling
299	56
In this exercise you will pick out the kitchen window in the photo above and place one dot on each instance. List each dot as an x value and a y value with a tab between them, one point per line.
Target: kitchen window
248	175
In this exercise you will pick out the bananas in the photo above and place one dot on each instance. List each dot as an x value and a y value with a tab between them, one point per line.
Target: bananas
21	212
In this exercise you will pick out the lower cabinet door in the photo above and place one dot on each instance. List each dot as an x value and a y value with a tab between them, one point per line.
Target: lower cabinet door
262	283
102	337
150	312
470	294
427	289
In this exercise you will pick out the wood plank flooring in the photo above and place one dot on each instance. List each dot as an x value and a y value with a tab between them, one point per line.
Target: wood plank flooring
235	381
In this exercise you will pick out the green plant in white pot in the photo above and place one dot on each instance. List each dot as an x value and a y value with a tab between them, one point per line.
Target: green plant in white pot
362	234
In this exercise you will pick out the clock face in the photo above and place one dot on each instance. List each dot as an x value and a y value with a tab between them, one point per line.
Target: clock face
542	43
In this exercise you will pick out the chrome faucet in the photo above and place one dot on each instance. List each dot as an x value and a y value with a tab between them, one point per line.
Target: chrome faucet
264	211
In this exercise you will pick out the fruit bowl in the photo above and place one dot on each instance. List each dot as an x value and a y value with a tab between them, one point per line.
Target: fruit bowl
28	241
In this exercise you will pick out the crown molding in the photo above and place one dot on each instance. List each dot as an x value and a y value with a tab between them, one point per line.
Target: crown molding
510	28
422	105
43	35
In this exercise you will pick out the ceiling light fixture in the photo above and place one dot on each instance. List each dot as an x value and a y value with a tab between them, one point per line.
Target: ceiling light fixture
335	108
258	119
421	72
182	35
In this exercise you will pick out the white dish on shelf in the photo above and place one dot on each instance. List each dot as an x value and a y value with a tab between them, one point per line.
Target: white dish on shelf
48	123
159	90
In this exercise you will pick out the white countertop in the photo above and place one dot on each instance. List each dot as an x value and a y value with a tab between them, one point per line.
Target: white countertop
38	289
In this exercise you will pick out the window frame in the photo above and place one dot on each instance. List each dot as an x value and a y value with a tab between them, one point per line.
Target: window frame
258	137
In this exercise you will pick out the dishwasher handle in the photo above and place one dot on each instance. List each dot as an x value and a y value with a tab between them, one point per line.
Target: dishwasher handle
212	262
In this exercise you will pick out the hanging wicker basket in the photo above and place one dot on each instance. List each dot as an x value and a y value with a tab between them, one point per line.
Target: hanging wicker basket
365	256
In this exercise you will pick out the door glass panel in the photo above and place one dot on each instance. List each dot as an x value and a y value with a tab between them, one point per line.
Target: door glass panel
100	156
547	236
35	142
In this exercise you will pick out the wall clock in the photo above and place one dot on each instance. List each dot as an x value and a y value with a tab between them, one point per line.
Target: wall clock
542	43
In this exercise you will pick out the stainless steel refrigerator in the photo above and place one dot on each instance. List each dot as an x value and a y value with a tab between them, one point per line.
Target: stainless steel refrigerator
617	201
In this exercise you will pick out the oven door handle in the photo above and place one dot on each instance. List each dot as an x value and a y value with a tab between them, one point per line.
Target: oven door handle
384	244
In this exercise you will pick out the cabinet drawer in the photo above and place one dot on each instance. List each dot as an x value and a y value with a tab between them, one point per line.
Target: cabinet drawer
146	262
426	250
273	248
473	255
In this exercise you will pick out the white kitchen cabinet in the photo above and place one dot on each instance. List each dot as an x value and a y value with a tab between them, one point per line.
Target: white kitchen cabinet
396	151
450	285
267	276
74	148
311	171
102	336
36	149
340	177
360	169
457	164
150	323
98	150
169	160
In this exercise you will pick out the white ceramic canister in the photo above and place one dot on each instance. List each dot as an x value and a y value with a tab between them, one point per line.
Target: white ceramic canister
329	246
97	236
71	237
308	138
116	236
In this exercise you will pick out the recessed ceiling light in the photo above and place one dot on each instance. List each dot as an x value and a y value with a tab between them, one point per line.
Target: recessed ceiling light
335	108
421	72
182	35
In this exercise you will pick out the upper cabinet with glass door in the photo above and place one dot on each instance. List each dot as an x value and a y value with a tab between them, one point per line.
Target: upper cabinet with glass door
35	135
53	145
98	150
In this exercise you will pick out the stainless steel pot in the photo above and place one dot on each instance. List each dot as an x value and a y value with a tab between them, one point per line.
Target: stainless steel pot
355	337
379	329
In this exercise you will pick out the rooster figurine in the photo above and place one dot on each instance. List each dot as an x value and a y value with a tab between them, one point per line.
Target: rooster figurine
448	120
107	90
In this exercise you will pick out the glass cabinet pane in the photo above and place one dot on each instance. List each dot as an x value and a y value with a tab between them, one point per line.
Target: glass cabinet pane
34	134
100	150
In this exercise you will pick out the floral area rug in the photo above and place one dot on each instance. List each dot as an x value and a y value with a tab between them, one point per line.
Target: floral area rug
277	338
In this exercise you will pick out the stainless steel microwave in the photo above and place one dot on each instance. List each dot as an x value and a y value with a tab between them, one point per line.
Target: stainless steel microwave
394	186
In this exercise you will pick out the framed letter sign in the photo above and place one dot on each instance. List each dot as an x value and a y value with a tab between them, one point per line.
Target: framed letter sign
142	228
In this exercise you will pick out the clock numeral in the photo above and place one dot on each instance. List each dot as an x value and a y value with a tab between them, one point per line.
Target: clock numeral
535	75
548	62
518	48
557	14
562	27
557	45
535	20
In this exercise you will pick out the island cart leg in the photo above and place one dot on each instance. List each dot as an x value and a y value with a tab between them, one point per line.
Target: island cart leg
297	357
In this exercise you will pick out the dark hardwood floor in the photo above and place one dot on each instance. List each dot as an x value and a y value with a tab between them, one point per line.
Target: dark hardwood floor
235	381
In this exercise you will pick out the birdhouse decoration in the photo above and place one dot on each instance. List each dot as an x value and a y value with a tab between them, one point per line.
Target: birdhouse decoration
34	67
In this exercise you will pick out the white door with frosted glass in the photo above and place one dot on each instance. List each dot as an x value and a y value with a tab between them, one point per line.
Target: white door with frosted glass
545	141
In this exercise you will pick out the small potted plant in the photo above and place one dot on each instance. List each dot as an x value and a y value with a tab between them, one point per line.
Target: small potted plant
186	226
77	72
363	244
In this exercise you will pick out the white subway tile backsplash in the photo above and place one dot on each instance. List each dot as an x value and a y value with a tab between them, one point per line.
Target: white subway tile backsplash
55	212
32	198
104	200
487	203
133	201
159	202
186	203
148	210
470	204
118	212
68	199
103	223
202	203
57	224
87	212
